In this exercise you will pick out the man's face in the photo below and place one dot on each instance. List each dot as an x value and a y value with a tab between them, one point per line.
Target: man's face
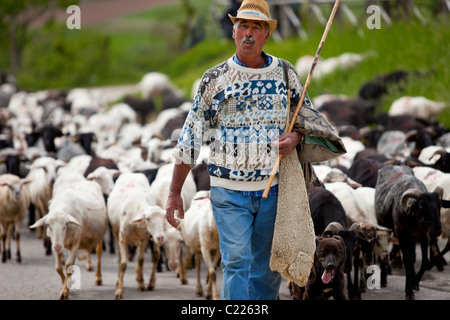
245	32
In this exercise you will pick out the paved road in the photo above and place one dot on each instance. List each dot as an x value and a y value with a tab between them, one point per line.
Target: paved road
36	279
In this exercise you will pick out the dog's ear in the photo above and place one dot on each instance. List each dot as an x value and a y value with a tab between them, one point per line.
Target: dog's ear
342	243
318	239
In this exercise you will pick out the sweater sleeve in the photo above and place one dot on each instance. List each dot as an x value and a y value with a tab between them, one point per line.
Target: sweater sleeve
192	134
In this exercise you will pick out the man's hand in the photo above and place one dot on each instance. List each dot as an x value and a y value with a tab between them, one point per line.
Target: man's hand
174	202
287	142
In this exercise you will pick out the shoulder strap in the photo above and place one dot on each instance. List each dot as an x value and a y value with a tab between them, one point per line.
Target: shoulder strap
285	71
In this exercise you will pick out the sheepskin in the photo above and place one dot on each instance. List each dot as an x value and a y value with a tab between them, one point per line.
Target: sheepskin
293	245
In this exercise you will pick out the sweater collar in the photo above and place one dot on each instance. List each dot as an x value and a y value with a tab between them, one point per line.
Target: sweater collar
267	59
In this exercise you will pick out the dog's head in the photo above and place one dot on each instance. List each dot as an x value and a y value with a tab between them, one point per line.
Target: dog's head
330	253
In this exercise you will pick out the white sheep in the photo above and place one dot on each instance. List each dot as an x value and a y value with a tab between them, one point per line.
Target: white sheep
14	202
160	190
201	235
383	243
105	178
134	217
324	67
353	147
430	154
76	220
354	205
419	107
154	84
42	176
78	163
160	186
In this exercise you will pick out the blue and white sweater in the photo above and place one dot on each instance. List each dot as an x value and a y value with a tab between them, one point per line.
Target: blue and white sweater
239	112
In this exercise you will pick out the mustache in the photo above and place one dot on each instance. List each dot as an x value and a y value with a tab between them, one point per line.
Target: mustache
250	39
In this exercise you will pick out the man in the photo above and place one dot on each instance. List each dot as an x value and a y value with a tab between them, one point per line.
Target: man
240	110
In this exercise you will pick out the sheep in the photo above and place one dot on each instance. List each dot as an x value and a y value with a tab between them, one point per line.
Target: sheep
346	160
367	194
76	220
381	250
160	186
14	202
143	107
391	142
403	204
384	239
363	254
134	217
327	66
76	164
155	84
354	205
336	175
433	178
200	233
420	107
42	175
81	99
105	178
160	189
14	162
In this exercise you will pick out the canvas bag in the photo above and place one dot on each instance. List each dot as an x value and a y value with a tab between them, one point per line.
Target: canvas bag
293	244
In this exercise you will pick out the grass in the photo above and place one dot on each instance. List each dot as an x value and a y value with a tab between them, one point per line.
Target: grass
122	50
406	45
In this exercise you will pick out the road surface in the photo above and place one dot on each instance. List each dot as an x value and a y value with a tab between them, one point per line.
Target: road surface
36	279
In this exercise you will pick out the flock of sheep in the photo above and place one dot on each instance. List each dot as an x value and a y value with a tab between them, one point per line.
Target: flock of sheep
76	208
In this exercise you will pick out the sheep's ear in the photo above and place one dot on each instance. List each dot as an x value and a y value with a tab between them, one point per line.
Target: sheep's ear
74	221
115	173
26	181
138	218
39	223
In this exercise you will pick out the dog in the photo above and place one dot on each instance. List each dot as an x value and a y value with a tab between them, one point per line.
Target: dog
327	274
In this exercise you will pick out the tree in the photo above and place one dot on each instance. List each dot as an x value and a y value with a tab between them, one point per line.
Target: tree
16	16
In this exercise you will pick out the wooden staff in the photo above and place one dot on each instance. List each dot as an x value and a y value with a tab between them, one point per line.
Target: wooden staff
302	96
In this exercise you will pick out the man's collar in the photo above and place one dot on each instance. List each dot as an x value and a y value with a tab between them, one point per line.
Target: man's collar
267	59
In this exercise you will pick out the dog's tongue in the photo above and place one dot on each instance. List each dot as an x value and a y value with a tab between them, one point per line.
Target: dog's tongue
326	276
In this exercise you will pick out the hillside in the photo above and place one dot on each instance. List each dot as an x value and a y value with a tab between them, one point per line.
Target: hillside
122	50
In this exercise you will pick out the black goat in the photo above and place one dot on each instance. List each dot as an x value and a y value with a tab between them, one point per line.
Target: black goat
403	204
325	208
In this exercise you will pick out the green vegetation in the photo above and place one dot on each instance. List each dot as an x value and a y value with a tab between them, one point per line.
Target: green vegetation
123	50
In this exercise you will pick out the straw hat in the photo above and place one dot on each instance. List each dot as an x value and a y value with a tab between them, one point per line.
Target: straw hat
255	10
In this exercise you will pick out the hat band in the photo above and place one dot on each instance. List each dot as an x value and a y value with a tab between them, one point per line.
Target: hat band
253	13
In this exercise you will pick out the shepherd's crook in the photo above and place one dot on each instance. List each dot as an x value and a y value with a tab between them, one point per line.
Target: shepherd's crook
302	97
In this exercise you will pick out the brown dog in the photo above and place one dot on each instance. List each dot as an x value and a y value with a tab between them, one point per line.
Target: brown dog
327	275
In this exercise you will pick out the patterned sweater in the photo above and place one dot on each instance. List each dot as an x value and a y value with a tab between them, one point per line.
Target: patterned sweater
239	112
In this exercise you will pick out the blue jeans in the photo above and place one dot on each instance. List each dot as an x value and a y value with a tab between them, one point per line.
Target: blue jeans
246	224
